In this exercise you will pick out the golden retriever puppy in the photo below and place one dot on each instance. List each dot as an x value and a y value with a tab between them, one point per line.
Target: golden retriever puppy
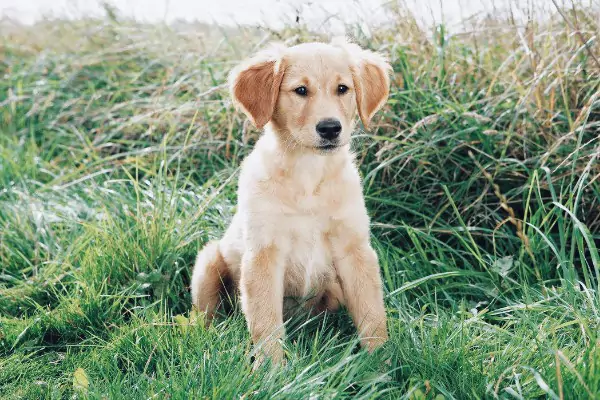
301	226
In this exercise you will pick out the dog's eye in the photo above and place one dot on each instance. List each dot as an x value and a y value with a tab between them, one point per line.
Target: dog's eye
342	89
301	91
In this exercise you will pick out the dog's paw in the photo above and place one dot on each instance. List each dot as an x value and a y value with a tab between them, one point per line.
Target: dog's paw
260	361
275	357
374	343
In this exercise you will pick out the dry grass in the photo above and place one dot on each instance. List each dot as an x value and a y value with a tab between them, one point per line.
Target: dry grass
119	150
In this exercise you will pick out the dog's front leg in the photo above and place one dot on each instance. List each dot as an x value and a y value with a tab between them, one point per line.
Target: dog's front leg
357	267
261	289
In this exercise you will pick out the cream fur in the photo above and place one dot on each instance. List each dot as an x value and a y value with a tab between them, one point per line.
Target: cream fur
301	227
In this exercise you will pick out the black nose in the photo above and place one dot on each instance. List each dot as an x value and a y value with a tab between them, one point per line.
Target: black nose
329	128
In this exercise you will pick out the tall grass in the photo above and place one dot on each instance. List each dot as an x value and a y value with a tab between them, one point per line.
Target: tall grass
119	152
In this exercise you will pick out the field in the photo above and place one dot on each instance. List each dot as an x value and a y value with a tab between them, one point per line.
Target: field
119	154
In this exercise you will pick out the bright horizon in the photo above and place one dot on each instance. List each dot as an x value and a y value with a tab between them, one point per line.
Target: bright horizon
273	13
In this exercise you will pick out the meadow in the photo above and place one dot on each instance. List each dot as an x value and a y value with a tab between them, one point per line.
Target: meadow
119	154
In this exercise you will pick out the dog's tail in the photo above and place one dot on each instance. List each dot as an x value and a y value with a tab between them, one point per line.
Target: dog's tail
210	273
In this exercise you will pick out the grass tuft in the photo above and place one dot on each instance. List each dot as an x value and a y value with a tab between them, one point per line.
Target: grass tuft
119	153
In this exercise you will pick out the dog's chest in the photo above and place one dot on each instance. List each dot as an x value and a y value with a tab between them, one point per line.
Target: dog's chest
306	222
309	262
297	206
306	197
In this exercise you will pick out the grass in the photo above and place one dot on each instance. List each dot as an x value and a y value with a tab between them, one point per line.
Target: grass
119	152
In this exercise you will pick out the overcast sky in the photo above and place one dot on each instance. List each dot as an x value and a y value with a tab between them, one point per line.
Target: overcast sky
270	12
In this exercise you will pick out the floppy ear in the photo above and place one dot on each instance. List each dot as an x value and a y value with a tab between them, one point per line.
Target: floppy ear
371	82
254	85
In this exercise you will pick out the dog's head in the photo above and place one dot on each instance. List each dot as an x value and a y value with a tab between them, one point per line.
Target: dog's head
311	92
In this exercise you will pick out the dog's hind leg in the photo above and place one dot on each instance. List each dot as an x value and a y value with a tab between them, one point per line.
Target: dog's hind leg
208	279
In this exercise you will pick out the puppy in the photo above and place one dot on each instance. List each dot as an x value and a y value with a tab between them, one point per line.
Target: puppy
301	227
